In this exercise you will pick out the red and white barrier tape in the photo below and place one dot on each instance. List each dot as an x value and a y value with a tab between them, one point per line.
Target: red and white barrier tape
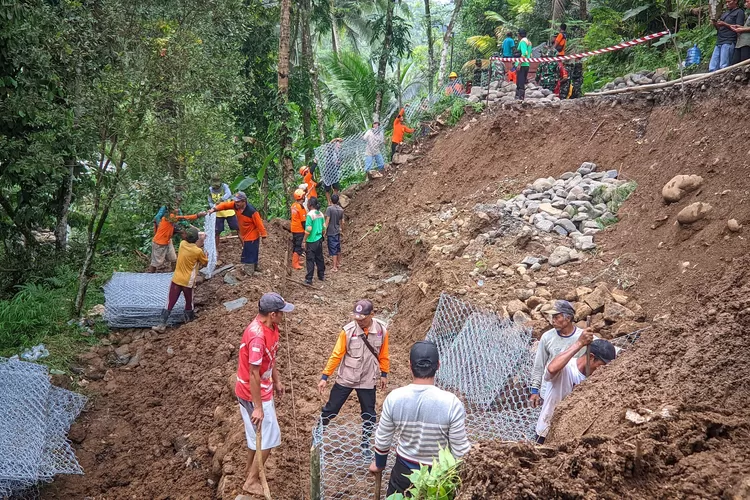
570	57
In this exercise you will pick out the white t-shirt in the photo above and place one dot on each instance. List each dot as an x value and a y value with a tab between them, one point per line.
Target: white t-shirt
559	387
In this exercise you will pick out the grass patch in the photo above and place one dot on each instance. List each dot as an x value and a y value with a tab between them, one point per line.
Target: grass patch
613	198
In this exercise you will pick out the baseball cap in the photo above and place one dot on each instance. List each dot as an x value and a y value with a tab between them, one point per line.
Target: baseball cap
192	235
273	302
603	350
563	307
424	354
240	196
362	309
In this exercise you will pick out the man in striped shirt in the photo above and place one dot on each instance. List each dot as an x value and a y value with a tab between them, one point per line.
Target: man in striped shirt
425	417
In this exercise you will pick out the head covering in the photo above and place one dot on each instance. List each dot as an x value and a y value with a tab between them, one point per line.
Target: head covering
215	181
362	309
424	354
299	194
192	235
303	170
273	302
240	196
453	75
603	350
563	307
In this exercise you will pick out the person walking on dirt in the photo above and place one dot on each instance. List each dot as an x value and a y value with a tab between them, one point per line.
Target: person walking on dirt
297	227
162	249
219	192
726	37
398	133
524	47
251	229
189	259
425	419
552	342
374	143
257	380
334	230
566	371
362	357
315	228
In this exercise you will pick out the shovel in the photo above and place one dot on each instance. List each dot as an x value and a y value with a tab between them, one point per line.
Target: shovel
588	349
259	459
378	484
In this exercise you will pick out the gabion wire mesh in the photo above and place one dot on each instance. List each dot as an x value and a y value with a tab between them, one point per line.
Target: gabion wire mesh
34	420
209	244
341	161
340	462
135	300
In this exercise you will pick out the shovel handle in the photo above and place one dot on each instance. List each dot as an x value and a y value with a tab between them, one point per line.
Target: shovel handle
259	459
378	484
588	350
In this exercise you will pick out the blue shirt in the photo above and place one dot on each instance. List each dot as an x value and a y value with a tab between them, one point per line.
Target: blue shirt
508	45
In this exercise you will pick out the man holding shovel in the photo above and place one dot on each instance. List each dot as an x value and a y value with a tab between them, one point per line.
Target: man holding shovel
257	380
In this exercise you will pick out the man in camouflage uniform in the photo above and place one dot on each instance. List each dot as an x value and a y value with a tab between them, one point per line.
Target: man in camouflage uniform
547	74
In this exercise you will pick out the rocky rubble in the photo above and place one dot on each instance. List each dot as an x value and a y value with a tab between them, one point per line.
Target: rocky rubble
505	92
634	79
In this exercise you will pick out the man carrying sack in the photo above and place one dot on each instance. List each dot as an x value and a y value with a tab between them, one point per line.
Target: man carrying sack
361	354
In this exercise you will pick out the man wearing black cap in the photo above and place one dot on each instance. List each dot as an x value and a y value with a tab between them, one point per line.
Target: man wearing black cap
257	379
566	371
424	417
563	334
361	355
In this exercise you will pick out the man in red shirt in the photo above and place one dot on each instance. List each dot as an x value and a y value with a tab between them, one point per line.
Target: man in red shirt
257	379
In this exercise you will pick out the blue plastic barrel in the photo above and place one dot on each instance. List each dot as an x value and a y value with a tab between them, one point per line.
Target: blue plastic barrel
693	56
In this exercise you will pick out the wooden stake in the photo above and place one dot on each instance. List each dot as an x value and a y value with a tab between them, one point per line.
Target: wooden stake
595	131
378	484
588	350
259	459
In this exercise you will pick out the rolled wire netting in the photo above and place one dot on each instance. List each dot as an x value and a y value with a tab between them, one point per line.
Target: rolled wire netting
34	421
209	245
135	300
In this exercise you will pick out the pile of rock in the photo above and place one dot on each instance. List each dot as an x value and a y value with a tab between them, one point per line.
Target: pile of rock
576	205
505	92
635	79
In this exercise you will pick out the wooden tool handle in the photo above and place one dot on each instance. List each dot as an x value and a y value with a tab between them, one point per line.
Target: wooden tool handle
588	349
259	459
378	484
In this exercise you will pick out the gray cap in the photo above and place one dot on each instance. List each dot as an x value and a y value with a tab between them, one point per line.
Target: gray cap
273	302
240	196
603	350
563	307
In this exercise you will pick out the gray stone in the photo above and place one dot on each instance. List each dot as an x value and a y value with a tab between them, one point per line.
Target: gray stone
542	185
584	243
590	224
397	279
570	210
530	261
610	174
520	317
567	175
532	207
580	217
229	279
473	98
536	267
567	225
559	204
549	209
536	196
233	305
559	256
560	230
544	225
587	168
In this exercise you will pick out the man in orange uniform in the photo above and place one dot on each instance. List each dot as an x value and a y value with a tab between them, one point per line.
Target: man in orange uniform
362	353
398	132
251	229
162	249
307	177
561	40
298	227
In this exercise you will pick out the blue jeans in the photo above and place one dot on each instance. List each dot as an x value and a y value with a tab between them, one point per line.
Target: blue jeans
378	160
722	56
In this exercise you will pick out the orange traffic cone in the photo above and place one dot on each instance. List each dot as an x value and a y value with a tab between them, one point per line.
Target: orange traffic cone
295	261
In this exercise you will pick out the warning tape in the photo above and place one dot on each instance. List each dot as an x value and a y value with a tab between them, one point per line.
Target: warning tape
570	57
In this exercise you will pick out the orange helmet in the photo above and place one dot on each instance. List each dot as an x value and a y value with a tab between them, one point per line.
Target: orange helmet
299	194
303	170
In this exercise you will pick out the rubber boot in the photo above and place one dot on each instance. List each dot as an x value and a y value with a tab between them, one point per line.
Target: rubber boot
162	326
189	316
249	269
295	261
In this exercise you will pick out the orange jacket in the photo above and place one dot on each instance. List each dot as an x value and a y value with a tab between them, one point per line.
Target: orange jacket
298	218
339	351
251	225
311	185
399	128
165	229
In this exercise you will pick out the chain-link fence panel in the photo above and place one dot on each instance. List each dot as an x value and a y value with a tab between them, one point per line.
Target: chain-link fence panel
34	421
135	300
343	160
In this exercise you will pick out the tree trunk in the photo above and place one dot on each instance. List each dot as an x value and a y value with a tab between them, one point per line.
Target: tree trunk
312	71
285	137
384	56
430	47
65	197
334	28
446	41
584	12
399	89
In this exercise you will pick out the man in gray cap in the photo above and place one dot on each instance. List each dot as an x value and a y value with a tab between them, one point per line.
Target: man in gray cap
257	380
251	229
553	342
566	371
424	417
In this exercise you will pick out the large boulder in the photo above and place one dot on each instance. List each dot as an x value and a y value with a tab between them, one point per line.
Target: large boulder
693	212
560	256
679	186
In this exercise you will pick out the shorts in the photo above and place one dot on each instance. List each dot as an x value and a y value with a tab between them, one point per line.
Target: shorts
270	433
335	186
334	244
162	253
250	250
232	221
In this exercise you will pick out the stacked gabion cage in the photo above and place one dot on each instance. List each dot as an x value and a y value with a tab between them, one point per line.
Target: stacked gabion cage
135	300
35	417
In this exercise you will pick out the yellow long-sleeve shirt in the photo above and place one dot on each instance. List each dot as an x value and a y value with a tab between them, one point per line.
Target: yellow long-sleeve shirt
339	351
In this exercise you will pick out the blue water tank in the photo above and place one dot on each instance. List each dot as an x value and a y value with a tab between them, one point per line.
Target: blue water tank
693	56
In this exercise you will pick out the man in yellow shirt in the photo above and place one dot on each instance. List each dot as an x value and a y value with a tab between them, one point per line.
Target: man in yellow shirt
189	258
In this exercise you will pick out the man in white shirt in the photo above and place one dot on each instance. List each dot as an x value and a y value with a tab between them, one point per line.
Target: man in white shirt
566	371
374	144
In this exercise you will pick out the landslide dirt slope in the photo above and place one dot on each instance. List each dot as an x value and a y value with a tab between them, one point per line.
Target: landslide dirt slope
171	429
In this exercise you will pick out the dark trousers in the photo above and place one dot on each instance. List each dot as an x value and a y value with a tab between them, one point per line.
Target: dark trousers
399	481
250	250
297	239
523	76
339	395
741	54
394	149
174	294
314	257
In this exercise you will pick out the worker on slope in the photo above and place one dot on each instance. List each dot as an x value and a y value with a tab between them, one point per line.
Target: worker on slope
307	178
566	371
361	355
525	48
189	259
425	419
552	342
257	380
219	192
297	227
454	87
561	40
315	229
398	133
334	230
374	142
331	171
251	229
162	249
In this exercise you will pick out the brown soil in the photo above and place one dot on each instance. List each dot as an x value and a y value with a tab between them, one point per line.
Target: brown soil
170	428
